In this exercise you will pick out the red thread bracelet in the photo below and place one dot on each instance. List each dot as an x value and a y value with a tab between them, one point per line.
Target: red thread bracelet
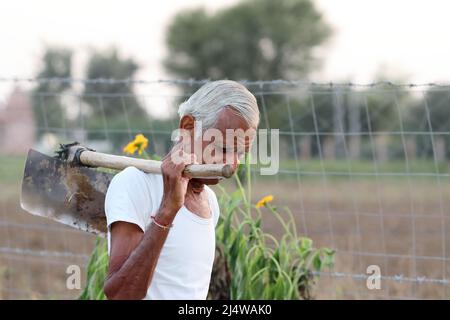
159	224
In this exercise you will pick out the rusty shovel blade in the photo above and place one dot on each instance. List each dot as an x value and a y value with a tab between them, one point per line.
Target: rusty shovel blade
67	193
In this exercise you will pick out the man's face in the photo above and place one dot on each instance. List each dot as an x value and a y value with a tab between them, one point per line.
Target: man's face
227	142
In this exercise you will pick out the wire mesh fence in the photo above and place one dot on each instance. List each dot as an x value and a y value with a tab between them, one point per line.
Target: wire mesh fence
364	169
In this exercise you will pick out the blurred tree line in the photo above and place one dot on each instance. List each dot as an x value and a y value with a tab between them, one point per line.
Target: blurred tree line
267	40
256	40
105	111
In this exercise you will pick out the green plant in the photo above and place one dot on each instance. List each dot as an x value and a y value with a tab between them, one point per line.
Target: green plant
253	264
97	269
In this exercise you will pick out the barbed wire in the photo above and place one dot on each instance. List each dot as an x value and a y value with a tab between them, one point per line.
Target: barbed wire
191	82
7	224
43	253
397	278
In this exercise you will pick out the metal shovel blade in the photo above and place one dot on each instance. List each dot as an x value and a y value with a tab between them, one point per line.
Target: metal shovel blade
67	193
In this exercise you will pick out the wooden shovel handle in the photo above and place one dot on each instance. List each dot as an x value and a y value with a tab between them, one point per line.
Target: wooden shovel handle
98	159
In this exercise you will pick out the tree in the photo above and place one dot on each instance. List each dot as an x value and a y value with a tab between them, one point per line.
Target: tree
46	97
103	97
112	105
255	39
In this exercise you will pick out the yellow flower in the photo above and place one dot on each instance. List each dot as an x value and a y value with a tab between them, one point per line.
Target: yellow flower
265	200
138	144
130	148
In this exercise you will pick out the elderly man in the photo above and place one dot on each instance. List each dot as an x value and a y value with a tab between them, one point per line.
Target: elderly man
161	237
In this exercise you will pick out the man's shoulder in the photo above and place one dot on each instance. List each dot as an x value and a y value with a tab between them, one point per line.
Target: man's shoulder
136	184
131	172
133	176
131	197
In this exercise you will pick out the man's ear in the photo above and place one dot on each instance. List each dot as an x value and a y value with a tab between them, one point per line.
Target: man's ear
187	122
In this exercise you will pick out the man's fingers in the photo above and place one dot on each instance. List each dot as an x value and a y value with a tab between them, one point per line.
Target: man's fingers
177	159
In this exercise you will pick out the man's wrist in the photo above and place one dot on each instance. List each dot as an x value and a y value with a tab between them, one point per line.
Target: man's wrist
165	215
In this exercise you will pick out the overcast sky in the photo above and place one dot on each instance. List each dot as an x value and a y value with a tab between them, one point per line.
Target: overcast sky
407	37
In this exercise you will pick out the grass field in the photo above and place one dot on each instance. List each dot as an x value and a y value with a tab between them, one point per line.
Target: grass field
383	220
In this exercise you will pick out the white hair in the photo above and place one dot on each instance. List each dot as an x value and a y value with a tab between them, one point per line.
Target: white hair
207	102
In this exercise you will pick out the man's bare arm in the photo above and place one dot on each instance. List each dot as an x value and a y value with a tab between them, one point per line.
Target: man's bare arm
133	259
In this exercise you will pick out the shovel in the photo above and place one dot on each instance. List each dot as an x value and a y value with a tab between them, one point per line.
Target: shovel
69	189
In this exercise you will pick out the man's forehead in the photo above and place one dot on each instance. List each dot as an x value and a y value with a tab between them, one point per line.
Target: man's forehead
233	136
231	129
229	119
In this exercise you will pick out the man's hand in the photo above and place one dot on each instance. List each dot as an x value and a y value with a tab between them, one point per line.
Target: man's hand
175	184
